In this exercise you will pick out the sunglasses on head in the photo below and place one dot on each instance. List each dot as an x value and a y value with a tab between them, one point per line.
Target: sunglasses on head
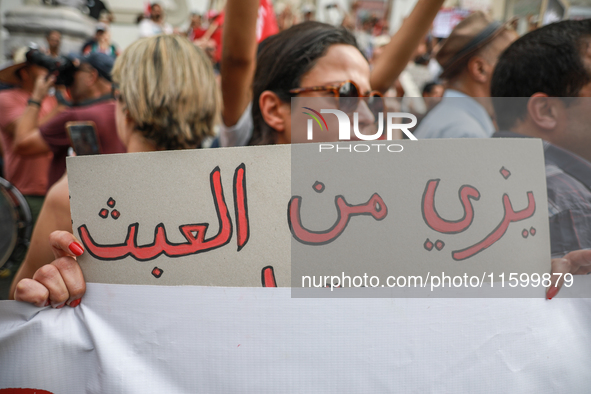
347	90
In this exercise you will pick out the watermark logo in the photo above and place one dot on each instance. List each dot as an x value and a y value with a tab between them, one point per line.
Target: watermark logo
310	125
345	124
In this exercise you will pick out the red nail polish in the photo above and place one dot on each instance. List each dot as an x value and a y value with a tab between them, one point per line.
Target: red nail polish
60	306
76	248
552	292
75	303
47	303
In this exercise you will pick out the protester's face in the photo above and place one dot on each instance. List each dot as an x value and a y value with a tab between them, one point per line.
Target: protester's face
156	12
437	91
104	39
84	78
421	50
341	63
574	128
35	71
54	40
586	90
434	97
29	75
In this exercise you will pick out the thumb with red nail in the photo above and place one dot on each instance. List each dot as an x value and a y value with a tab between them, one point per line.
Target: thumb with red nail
59	283
577	262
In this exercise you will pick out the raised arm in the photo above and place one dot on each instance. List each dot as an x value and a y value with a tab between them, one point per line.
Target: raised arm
239	48
27	138
399	50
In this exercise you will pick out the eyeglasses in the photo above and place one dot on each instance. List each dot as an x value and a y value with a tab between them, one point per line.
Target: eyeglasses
347	90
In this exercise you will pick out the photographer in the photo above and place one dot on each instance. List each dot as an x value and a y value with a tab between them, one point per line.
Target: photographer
89	83
28	172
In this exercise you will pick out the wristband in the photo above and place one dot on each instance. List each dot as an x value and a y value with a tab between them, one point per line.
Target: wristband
31	101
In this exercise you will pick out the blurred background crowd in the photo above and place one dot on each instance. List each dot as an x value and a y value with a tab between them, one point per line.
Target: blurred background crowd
119	23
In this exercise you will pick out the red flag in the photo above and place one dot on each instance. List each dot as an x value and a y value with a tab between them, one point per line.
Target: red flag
147	9
217	35
266	26
266	22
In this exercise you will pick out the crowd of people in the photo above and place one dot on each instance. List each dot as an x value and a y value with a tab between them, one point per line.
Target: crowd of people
163	92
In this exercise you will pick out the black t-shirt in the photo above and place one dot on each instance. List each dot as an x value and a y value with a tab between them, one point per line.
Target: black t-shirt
95	8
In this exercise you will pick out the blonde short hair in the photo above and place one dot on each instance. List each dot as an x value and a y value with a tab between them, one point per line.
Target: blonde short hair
168	86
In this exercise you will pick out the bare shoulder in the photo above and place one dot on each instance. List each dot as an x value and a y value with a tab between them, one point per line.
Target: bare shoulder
58	198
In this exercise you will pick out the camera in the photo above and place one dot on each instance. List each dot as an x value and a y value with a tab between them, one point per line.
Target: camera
62	65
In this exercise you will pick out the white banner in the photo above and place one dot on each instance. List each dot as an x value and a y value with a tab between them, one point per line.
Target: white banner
166	339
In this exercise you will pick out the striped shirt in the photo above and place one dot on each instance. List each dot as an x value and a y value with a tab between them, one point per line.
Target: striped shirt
568	180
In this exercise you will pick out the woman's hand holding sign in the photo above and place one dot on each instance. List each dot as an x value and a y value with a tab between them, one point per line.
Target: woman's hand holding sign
59	283
577	262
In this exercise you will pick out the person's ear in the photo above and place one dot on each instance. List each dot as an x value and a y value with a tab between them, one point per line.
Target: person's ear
128	118
129	122
95	77
274	111
128	126
543	111
478	69
24	74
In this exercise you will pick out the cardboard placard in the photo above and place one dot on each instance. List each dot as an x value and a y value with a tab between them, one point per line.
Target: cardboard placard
218	217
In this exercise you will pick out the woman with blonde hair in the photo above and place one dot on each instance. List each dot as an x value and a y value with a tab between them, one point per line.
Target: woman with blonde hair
166	98
166	94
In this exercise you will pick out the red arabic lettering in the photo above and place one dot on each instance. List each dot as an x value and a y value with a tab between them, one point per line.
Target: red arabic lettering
193	233
241	207
375	207
436	222
509	217
268	277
